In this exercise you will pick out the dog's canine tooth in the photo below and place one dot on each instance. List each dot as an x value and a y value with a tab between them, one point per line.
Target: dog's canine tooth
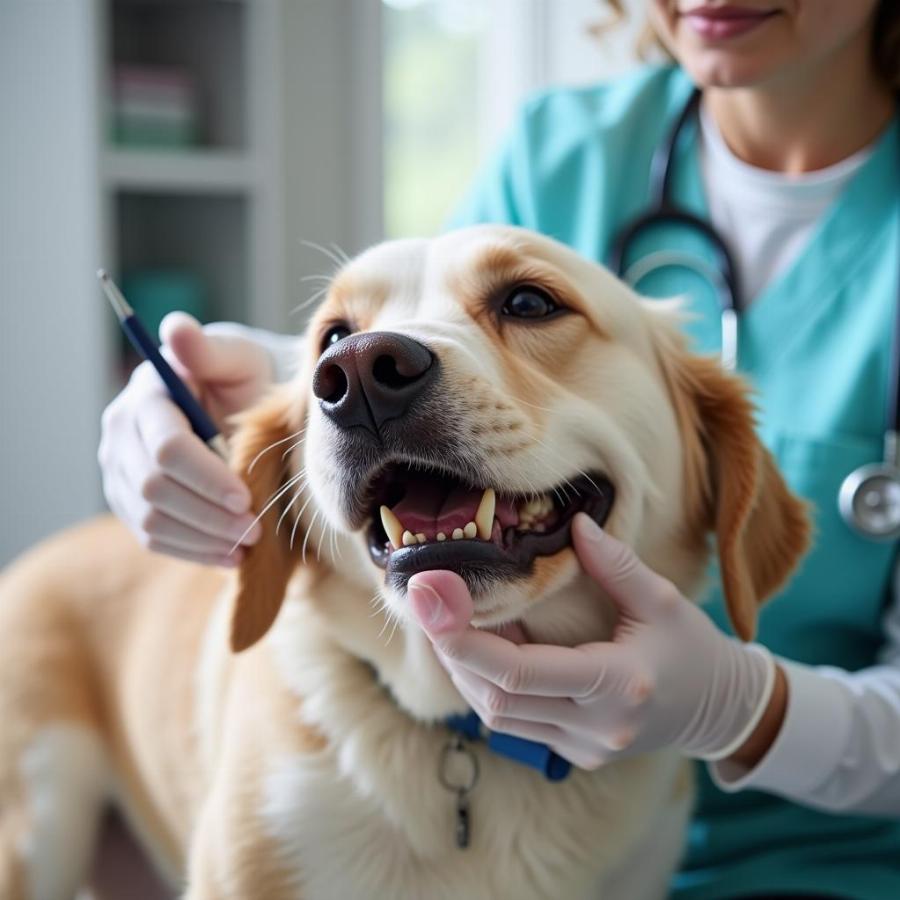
393	527
457	534
408	539
420	537
470	530
441	536
484	516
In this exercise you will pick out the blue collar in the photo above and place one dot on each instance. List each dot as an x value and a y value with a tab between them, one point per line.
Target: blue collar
528	753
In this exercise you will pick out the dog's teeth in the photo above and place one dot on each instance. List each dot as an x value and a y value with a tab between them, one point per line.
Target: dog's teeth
457	534
420	537
393	527
470	530
484	516
441	536
408	539
540	528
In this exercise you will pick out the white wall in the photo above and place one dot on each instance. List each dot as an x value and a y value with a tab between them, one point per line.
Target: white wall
536	43
52	318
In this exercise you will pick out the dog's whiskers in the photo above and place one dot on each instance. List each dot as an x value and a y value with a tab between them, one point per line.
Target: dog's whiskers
308	533
335	257
309	301
340	252
324	525
271	446
278	494
292	447
535	405
297	520
393	630
287	508
325	278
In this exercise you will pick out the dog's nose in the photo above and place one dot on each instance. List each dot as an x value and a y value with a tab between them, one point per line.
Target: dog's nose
367	379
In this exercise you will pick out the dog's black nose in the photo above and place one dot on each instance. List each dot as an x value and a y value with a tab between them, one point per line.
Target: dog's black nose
367	379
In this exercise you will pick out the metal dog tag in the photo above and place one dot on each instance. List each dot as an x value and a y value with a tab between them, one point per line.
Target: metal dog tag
458	772
462	820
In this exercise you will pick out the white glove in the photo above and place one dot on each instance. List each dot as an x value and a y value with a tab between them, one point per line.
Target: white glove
668	677
175	494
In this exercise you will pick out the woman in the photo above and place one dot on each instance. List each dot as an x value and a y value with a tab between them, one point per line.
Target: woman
794	158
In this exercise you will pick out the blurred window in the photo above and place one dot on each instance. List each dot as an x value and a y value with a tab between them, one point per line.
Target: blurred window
433	51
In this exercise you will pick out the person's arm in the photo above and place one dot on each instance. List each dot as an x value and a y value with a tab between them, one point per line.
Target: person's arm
838	747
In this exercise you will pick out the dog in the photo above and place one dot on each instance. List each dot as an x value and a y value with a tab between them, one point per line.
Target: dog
458	400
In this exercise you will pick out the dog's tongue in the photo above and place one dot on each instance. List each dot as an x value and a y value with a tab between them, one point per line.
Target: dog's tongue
431	506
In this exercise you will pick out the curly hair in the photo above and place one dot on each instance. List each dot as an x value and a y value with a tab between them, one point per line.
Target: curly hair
885	38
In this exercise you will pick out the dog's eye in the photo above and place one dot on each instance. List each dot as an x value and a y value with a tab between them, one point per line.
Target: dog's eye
529	303
333	335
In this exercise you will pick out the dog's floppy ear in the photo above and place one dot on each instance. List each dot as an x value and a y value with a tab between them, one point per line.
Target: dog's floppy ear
258	445
762	530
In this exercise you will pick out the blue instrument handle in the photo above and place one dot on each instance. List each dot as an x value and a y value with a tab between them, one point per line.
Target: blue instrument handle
201	423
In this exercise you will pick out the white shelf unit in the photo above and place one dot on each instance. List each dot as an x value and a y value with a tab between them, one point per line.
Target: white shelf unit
290	150
195	172
212	210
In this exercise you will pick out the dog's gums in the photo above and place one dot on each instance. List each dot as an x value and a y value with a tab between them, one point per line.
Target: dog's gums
427	519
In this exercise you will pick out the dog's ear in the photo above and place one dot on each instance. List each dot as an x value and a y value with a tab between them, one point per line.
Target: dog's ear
258	446
733	486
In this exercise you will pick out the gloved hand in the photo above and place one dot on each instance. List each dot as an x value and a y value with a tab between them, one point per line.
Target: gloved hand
668	678
175	494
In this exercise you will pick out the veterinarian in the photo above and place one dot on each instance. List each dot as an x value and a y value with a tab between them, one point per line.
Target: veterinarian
794	157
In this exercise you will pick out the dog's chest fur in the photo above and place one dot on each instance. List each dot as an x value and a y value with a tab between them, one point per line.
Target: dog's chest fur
368	817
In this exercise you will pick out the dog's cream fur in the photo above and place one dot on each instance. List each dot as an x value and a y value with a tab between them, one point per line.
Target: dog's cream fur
306	766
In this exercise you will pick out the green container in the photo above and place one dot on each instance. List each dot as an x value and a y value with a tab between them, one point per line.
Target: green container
154	293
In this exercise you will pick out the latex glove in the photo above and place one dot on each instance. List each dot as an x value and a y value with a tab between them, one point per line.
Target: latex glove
176	494
668	678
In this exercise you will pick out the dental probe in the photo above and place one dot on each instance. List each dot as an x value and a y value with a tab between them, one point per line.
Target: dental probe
202	425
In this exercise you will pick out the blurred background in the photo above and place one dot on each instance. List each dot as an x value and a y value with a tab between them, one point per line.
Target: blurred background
190	147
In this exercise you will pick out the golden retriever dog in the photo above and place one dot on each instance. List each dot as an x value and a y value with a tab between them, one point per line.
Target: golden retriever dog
459	400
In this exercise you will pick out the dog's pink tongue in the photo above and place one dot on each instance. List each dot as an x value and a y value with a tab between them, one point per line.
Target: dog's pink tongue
428	507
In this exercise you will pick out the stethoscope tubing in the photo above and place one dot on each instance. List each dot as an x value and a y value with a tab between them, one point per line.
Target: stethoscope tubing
861	488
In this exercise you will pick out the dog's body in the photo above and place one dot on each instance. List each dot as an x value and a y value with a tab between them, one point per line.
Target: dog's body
307	766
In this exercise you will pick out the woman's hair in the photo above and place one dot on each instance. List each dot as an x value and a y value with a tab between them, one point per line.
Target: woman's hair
885	38
886	42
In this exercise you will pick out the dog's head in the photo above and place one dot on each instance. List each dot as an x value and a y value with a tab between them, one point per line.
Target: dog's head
462	398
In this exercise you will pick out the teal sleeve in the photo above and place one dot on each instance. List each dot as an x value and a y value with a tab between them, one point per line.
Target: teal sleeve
501	193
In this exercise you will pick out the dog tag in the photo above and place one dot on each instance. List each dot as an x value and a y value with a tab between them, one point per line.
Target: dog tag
458	772
462	820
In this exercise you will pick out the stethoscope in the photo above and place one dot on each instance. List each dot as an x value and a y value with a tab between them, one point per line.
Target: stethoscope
869	497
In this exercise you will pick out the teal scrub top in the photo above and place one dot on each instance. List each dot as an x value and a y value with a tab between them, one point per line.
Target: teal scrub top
815	345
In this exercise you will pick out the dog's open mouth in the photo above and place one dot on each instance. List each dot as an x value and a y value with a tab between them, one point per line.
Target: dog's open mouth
429	519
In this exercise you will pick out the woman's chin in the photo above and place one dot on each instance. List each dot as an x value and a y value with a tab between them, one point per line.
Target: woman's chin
725	69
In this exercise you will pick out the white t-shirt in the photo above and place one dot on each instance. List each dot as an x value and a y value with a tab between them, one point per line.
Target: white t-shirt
766	218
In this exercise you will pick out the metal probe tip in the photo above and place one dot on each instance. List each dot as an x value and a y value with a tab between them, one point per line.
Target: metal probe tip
119	303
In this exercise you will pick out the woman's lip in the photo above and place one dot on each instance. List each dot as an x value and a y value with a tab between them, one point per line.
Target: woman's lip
723	22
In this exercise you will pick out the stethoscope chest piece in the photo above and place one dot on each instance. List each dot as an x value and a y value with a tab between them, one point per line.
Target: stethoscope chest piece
869	501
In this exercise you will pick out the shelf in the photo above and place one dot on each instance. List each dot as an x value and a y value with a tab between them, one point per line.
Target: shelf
205	236
179	171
